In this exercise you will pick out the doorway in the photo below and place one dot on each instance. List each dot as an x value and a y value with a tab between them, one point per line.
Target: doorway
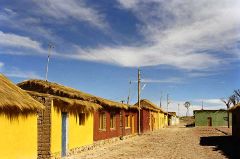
64	134
133	124
209	121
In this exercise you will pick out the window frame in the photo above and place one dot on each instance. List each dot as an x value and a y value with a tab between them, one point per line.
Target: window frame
102	121
127	121
113	121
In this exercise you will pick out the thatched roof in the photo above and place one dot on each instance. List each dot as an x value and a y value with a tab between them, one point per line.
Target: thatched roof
172	113
234	107
149	105
67	93
13	100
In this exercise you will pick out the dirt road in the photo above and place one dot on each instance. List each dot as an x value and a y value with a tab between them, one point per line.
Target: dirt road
167	143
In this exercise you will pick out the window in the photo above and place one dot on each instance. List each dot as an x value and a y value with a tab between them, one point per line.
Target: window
81	117
112	121
102	121
127	121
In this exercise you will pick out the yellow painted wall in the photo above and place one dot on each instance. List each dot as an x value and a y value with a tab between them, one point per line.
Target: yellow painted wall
156	123
80	135
166	120
18	137
56	130
161	120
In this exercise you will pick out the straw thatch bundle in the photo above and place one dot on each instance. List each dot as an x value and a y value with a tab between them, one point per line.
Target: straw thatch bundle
63	104
14	101
144	103
237	106
68	93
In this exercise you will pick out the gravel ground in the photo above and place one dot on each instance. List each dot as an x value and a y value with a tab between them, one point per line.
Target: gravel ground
167	143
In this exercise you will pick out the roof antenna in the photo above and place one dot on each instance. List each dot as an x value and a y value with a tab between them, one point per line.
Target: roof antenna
50	46
160	104
128	98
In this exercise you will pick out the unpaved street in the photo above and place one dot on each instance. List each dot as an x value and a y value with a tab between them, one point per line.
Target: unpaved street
167	143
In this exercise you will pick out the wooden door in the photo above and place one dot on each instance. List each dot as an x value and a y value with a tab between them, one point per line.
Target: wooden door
64	134
152	122
209	121
133	124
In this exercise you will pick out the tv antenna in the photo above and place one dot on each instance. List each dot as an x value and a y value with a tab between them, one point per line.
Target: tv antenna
129	91
50	46
187	105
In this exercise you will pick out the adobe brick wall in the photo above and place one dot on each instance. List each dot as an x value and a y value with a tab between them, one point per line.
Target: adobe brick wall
145	120
128	131
109	133
44	128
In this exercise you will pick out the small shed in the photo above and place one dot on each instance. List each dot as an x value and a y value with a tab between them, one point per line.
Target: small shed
211	117
18	121
173	118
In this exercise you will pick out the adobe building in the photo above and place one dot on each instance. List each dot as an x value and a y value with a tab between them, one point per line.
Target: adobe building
211	117
18	121
65	126
152	116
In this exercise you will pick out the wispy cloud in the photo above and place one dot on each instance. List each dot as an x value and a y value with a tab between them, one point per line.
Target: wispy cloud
168	80
1	64
213	101
30	24
196	104
188	35
191	35
13	40
77	9
202	74
18	73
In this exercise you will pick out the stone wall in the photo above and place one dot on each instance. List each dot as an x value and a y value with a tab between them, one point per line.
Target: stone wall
44	128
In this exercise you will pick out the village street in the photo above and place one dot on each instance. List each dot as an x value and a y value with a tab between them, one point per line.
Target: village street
166	143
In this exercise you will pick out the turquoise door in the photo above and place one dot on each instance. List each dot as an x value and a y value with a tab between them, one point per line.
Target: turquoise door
64	133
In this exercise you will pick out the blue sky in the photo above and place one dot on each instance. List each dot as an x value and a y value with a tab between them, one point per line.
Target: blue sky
189	49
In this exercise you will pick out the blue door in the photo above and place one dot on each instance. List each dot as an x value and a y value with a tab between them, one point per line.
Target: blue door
64	133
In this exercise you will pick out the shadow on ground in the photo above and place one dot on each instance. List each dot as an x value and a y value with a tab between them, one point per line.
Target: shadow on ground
226	144
190	125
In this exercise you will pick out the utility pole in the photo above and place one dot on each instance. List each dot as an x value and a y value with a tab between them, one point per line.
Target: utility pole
128	98
50	46
139	105
178	109
161	101
167	102
202	104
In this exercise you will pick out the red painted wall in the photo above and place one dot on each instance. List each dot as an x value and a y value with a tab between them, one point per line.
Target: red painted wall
145	120
119	131
100	134
131	113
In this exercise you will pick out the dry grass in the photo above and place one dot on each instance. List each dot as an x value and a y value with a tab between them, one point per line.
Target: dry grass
63	104
67	94
149	105
234	107
14	101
